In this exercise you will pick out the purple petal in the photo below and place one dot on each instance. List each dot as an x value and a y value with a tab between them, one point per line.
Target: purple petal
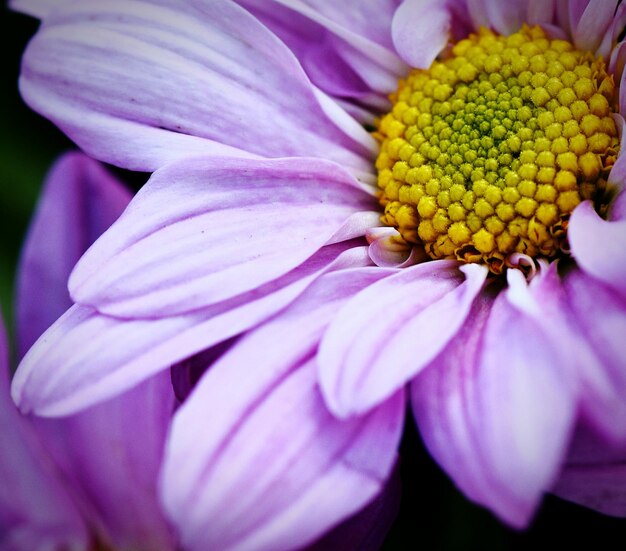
80	200
421	29
598	246
391	330
503	16
366	530
589	27
205	230
314	47
86	357
36	512
594	475
273	469
111	455
496	409
36	8
176	80
358	32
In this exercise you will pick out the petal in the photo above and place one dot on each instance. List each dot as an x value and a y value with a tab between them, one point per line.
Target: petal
390	331
496	409
273	469
111	455
595	475
86	357
202	231
315	48
599	246
36	8
36	512
361	33
589	29
430	20
79	201
178	79
366	530
504	17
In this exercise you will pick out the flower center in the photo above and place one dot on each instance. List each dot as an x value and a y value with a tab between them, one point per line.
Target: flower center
487	153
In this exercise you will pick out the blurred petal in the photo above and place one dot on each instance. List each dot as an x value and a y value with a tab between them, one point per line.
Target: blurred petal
496	409
79	201
36	511
598	246
112	455
391	330
86	357
178	79
36	8
205	230
594	475
276	470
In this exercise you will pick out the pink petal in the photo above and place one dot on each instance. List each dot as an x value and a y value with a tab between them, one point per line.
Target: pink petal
391	330
496	409
79	201
421	30
179	79
111	455
503	16
36	512
86	357
273	468
205	230
598	246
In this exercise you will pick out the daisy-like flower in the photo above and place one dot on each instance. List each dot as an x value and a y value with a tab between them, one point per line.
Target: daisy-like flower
475	145
88	480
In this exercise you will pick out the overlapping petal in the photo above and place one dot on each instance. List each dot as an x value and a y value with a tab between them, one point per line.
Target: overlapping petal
278	470
230	86
391	330
56	239
496	409
598	246
86	357
205	230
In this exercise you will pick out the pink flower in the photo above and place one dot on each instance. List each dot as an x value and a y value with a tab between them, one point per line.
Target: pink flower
89	479
251	228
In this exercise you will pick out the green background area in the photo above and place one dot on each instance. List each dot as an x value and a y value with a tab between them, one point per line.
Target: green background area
434	514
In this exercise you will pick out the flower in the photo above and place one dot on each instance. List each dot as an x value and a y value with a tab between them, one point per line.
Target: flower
490	163
87	480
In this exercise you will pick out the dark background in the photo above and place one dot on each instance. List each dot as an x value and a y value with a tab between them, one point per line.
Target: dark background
434	515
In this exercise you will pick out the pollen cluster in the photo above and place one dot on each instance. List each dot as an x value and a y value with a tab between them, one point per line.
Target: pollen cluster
488	152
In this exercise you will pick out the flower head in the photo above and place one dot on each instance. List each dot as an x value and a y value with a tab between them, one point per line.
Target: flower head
475	145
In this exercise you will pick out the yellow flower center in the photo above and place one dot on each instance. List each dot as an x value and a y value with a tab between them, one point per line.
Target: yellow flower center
487	153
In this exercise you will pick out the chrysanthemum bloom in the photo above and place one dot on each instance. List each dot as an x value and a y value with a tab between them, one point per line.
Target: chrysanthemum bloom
87	481
476	146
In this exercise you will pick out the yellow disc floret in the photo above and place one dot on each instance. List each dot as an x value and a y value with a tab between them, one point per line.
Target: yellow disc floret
488	152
